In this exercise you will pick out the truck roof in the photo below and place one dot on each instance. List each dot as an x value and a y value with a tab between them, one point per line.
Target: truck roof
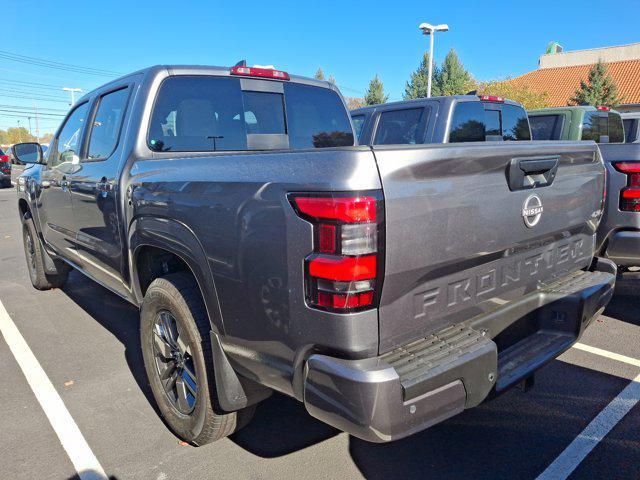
568	108
152	71
425	101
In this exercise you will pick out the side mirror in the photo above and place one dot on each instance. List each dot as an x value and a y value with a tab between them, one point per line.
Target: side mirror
30	152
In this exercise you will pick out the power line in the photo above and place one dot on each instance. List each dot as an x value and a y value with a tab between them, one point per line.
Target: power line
28	92
34	98
20	84
33	109
56	65
44	114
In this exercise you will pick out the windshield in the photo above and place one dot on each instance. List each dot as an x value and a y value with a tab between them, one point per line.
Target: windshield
207	113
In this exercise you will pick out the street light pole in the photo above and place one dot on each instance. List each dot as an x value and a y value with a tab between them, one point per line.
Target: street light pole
430	30
72	91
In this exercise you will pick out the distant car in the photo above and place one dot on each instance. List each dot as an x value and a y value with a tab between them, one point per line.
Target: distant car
5	170
631	122
600	124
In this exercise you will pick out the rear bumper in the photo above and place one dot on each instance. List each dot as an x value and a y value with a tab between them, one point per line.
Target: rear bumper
427	381
5	178
623	248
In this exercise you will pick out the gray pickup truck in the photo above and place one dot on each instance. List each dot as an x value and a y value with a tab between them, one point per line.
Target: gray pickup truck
387	288
452	119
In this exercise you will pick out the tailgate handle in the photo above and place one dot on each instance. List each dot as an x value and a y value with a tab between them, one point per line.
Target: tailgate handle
523	173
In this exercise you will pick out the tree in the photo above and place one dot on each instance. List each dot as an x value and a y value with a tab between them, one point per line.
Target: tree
516	92
375	93
599	89
331	80
353	102
319	74
416	87
452	78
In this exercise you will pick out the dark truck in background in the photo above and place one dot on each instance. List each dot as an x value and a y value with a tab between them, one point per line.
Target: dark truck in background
387	288
451	119
619	231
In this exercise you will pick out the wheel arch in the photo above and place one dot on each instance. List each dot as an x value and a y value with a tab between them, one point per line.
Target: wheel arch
168	246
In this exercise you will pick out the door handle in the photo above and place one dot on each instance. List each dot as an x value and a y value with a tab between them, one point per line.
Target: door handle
523	173
105	186
531	167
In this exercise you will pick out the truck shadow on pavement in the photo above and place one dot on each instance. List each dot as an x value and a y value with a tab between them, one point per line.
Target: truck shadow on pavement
118	317
625	308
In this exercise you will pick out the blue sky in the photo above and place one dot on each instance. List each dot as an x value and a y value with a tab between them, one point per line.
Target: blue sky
351	40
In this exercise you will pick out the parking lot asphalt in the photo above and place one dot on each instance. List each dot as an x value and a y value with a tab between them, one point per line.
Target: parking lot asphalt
87	342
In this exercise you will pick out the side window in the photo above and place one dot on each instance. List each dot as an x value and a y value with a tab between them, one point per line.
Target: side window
358	123
467	124
546	127
105	130
399	127
67	143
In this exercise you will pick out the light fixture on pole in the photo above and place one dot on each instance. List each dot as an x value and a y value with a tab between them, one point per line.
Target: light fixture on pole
72	91
428	29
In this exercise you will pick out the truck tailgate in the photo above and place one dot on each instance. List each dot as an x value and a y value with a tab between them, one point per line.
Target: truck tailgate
457	240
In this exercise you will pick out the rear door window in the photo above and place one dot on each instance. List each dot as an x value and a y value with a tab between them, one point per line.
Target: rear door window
399	127
105	130
358	123
546	127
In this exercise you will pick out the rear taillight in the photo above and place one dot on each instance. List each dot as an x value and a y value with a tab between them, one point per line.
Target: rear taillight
4	159
630	195
343	273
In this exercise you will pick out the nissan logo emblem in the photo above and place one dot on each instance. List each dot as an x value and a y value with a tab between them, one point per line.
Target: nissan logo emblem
532	210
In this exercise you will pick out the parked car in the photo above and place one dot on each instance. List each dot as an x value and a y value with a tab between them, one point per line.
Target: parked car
459	118
619	232
5	170
631	122
387	288
600	124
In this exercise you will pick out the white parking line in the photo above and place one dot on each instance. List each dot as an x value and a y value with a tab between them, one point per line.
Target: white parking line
608	354
83	459
600	426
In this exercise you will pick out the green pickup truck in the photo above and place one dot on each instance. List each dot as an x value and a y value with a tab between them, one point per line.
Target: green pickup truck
600	124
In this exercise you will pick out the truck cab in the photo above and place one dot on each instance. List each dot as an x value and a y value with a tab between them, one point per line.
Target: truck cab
457	118
600	124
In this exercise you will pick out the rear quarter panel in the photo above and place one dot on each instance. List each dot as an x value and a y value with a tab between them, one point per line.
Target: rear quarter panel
237	207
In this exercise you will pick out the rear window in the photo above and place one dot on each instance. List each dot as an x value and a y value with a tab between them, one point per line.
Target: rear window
515	123
630	129
399	127
475	122
602	127
546	127
358	123
206	113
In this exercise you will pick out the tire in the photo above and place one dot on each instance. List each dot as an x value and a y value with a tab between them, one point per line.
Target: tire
35	262
174	333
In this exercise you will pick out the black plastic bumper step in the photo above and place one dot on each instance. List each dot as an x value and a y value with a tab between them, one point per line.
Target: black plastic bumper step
428	363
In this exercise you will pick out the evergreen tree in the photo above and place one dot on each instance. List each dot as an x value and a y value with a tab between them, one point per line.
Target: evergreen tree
599	89
319	74
452	77
417	85
331	79
375	93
